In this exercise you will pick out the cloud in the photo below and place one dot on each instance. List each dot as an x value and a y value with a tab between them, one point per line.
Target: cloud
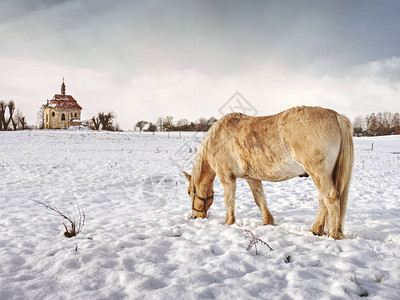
136	37
191	94
144	59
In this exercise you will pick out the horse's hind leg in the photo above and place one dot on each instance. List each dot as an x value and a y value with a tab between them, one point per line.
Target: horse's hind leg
229	196
259	197
329	195
319	223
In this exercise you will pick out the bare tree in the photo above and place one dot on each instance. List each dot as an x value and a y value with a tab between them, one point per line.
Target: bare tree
372	124
3	107
141	125
182	123
160	124
8	115
395	123
116	127
16	120
5	122
358	125
202	124
96	122
106	120
11	110
151	128
22	123
167	123
40	117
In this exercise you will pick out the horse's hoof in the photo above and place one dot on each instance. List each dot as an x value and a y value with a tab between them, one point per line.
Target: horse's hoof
318	231
230	221
269	222
337	235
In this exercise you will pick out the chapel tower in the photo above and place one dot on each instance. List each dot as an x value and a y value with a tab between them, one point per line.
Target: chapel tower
62	111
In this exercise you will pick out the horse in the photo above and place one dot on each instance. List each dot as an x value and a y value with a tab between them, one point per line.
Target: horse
300	141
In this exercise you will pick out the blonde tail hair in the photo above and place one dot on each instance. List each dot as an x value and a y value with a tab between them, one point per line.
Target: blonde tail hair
344	164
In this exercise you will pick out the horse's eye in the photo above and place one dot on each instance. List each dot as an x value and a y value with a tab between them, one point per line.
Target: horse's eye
189	193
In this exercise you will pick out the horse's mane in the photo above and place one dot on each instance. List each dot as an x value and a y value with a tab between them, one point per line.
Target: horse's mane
204	149
208	145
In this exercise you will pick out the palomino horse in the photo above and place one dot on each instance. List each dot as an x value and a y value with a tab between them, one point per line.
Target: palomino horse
298	141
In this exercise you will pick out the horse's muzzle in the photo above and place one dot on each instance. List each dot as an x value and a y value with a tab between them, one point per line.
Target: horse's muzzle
196	215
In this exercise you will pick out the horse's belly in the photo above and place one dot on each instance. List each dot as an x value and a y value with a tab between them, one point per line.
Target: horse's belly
274	171
288	171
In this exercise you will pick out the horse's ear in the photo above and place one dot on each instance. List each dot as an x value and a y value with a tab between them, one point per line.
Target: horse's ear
188	177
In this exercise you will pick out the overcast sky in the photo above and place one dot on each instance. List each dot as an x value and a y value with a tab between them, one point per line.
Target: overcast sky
145	59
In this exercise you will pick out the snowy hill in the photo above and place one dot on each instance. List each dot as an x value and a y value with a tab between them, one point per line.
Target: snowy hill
138	241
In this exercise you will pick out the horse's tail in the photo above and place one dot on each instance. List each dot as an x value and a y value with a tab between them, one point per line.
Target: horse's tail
344	164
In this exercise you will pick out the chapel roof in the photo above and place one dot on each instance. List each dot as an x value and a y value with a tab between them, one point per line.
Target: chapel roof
62	100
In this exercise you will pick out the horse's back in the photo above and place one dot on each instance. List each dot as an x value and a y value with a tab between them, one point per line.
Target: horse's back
277	147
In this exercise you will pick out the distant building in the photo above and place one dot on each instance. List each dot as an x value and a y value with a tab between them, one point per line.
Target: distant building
62	111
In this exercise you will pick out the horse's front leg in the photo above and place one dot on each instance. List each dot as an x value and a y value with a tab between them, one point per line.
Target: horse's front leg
229	196
259	197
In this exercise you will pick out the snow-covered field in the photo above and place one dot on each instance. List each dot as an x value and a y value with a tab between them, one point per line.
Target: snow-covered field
138	241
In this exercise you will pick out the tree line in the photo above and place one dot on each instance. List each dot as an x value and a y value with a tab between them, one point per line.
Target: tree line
167	124
385	123
374	124
104	121
11	119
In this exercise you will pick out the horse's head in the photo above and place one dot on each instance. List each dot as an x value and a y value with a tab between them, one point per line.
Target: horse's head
200	203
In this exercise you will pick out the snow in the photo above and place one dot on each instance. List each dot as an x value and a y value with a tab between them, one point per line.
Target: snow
81	127
139	242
